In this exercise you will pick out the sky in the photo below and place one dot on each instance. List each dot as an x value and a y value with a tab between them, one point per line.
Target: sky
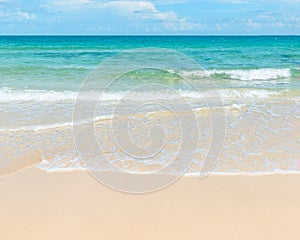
150	17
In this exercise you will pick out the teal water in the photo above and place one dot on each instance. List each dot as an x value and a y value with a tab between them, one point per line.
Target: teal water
258	79
61	63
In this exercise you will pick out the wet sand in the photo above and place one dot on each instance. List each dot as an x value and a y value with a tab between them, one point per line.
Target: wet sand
39	205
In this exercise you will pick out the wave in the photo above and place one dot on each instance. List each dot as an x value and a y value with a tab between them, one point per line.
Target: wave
75	165
36	128
244	75
7	95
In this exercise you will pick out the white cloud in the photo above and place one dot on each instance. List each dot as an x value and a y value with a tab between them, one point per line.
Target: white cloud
130	7
137	12
251	23
24	15
11	12
263	23
71	3
147	11
17	15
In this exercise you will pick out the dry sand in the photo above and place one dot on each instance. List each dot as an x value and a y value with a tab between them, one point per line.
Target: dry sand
39	205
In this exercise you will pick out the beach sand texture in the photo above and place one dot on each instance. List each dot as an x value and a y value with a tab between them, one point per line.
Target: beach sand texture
38	205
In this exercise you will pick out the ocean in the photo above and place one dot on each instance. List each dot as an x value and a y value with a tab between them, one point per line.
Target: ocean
257	78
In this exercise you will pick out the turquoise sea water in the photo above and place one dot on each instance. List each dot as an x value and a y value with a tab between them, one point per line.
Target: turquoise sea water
256	76
61	63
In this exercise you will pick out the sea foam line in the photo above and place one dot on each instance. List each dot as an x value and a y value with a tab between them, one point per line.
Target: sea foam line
79	167
244	75
68	96
36	128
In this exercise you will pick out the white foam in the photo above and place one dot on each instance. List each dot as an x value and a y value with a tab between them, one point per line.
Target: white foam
246	94
244	75
57	165
41	95
254	173
7	95
36	128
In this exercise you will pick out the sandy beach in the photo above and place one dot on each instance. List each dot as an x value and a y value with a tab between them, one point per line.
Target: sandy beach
188	111
39	205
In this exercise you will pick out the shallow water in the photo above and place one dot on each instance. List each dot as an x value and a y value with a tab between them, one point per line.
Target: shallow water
258	79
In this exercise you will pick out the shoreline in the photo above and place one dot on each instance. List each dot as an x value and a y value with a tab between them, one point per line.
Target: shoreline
187	175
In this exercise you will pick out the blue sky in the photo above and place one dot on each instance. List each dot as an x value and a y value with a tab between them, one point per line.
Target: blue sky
175	17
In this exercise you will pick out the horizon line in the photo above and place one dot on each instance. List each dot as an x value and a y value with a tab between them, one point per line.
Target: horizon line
150	35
